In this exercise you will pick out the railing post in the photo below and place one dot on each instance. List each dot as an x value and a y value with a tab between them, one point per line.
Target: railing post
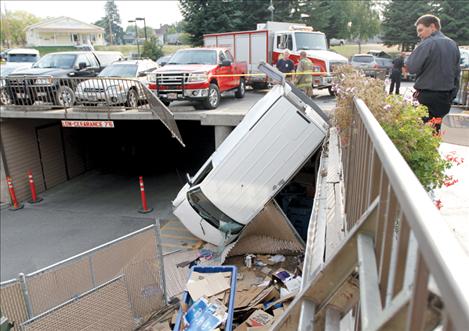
159	255
90	262
26	297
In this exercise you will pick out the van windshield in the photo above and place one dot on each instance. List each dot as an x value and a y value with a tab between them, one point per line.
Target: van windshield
310	41
209	212
31	58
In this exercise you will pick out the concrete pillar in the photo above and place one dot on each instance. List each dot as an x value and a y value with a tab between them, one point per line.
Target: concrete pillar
221	132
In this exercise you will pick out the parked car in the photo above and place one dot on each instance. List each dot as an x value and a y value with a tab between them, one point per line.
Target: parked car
336	42
43	78
22	55
5	70
199	74
371	65
251	165
111	91
405	74
464	58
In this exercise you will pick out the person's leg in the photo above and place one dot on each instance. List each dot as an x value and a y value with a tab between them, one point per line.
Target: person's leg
438	104
392	85
398	84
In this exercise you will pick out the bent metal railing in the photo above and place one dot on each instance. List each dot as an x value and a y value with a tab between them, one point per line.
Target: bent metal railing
83	94
399	267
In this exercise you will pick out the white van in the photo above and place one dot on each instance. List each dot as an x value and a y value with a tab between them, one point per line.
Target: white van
276	137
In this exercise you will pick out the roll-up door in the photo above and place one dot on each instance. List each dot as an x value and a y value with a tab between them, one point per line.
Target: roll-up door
74	152
52	156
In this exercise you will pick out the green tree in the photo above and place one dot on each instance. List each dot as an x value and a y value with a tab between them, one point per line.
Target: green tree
141	31
152	49
13	25
111	23
454	19
398	23
364	21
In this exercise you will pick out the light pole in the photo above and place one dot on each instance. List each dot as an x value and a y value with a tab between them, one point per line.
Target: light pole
271	8
110	19
136	37
144	25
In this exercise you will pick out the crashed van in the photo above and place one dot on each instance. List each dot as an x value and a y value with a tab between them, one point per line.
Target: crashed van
260	156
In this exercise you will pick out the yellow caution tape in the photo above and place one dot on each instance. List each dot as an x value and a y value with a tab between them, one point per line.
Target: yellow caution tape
313	73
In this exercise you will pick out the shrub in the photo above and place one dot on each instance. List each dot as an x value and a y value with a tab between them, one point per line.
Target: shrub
152	49
400	119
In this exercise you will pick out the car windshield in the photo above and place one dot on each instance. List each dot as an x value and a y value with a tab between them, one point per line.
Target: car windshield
194	57
31	58
362	59
119	70
63	61
308	40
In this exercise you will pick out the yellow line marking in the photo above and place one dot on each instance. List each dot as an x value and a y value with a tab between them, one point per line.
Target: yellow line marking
175	236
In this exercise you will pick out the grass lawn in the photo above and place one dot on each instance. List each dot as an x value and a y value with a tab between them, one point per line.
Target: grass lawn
125	49
349	50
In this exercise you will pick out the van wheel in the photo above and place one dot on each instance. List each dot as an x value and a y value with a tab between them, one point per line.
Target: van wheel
331	91
241	91
65	97
132	99
213	99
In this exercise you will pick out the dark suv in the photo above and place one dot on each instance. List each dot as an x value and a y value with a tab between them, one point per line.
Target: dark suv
42	82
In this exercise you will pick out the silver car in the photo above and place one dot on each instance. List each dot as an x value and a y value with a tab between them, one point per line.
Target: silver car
371	65
111	87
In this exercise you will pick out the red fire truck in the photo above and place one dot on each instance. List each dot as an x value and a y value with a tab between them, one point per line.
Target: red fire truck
270	40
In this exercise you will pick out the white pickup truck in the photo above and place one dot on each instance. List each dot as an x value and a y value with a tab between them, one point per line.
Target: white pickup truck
276	137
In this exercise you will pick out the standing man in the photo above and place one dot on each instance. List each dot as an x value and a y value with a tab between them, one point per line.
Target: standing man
304	77
397	65
435	62
286	65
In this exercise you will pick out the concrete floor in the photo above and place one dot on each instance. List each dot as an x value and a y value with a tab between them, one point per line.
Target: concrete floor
78	215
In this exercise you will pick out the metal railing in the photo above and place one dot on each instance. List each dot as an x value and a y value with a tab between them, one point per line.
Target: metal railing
399	267
83	94
136	257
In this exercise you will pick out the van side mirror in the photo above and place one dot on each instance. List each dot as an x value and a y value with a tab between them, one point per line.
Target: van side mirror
225	63
81	65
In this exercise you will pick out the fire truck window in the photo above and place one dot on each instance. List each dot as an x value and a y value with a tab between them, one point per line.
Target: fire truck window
280	41
289	42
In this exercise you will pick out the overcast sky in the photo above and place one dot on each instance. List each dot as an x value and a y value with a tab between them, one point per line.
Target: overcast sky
155	12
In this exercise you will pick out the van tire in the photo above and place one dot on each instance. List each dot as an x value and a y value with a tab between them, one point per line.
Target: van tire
331	91
213	99
64	96
241	90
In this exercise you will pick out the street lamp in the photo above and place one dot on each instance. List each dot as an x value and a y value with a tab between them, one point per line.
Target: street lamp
144	25
136	37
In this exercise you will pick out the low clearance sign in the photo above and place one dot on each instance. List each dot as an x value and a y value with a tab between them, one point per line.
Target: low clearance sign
88	124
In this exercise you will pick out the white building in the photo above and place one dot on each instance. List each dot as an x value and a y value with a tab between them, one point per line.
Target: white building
63	31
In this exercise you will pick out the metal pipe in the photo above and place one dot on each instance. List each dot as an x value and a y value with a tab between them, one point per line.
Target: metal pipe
26	297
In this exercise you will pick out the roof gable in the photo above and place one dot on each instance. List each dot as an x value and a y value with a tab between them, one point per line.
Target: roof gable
62	23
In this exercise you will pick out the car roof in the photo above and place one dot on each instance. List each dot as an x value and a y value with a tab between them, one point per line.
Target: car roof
131	62
203	49
23	51
364	55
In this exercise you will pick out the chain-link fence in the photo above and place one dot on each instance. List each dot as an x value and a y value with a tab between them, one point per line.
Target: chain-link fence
67	286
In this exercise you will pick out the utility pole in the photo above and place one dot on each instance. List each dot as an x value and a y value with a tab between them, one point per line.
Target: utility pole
271	8
144	25
136	37
110	29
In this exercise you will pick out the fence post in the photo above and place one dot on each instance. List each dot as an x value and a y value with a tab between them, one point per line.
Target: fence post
159	255
90	263
27	298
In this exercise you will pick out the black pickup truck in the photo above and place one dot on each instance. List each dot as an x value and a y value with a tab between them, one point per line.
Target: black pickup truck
44	80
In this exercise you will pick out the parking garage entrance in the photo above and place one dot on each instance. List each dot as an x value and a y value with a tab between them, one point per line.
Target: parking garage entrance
132	148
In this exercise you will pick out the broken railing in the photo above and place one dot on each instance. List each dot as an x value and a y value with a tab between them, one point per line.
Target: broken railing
399	266
83	94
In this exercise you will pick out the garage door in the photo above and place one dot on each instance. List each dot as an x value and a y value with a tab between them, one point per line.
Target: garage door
52	155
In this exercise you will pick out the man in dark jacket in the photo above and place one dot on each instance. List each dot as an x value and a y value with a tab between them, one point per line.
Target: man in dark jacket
397	65
435	62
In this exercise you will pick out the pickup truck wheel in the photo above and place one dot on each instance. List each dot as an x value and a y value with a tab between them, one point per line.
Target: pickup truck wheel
213	99
65	97
132	99
4	97
241	89
331	91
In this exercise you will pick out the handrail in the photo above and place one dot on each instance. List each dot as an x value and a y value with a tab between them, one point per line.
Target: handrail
444	256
